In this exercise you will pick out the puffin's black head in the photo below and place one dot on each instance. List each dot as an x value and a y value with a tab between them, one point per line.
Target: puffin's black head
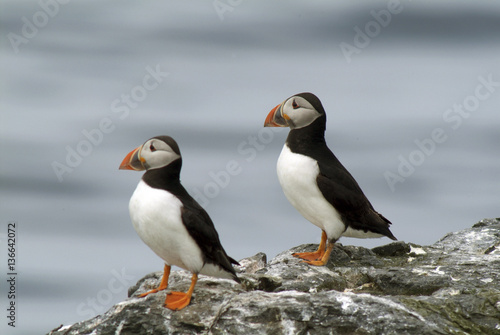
296	112
156	153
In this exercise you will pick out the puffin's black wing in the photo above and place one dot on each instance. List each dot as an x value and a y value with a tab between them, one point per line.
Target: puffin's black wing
201	228
342	191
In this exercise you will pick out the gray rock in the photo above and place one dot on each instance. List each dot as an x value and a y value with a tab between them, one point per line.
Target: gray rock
450	287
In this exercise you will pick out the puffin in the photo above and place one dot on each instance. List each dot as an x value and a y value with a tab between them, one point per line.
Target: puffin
171	222
316	183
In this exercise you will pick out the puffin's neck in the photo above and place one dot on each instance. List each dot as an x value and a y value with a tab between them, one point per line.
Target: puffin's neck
167	177
301	140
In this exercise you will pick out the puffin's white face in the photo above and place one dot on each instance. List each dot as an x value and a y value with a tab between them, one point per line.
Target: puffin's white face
295	112
156	154
153	154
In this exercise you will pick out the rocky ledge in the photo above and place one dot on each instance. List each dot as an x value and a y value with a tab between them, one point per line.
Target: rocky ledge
450	287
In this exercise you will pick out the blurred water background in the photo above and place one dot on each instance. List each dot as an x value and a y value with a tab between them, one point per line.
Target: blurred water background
411	90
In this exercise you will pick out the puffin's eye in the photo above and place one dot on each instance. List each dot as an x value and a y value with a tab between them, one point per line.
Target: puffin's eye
152	148
294	104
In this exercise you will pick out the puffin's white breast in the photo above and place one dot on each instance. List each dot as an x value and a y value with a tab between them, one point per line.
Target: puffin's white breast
156	216
297	175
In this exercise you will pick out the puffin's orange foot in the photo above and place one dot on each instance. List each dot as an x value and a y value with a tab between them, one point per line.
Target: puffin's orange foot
152	291
177	300
308	256
324	257
315	255
163	284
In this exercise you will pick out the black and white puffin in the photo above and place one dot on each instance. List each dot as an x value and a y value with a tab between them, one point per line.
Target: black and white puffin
316	183
171	222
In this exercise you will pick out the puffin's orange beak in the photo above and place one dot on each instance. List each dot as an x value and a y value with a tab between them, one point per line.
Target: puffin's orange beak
133	161
275	118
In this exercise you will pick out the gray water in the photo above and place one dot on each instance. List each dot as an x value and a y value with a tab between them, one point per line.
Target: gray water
78	94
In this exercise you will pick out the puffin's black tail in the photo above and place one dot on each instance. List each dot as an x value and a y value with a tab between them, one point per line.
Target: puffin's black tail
386	231
233	261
